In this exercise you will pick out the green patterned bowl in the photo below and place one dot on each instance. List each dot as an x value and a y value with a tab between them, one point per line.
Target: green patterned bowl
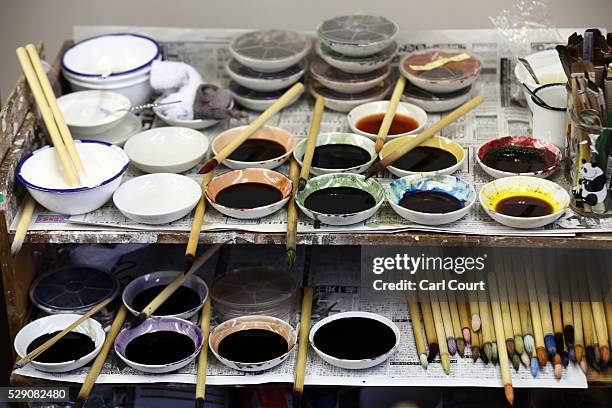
341	180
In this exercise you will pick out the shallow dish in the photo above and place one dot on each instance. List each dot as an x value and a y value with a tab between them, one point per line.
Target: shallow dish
155	324
439	142
372	108
357	65
257	101
436	102
338	138
51	324
197	124
138	89
44	178
341	180
344	82
89	113
149	280
263	176
354	364
272	133
166	149
269	50
357	35
118	135
547	67
506	187
548	149
249	323
157	198
449	77
342	102
451	185
264	81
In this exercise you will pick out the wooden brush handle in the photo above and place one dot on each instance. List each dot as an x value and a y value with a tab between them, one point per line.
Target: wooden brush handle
315	124
198	218
300	365
390	113
292	213
24	223
203	357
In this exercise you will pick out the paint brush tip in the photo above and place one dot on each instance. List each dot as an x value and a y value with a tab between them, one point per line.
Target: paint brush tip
452	346
569	334
551	346
510	346
519	346
534	366
433	352
579	350
467	334
525	359
423	360
475	353
509	391
604	352
529	343
558	366
476	322
137	320
488	351
460	346
542	356
199	403
584	365
290	257
516	362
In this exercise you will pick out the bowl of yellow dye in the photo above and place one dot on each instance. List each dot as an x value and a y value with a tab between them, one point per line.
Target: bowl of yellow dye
524	202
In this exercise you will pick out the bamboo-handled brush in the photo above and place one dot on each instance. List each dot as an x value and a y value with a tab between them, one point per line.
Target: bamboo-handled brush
292	215
203	357
302	354
390	113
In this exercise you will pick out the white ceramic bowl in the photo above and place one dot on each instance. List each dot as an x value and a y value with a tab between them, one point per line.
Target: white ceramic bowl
435	141
547	67
138	90
434	103
44	177
338	138
272	133
339	102
89	113
257	101
264	81
354	364
431	182
112	56
252	322
363	34
166	149
196	124
372	108
157	198
51	324
119	134
502	188
340	81
357	65
254	175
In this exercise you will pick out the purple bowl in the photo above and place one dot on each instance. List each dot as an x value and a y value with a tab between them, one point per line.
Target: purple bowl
144	282
155	324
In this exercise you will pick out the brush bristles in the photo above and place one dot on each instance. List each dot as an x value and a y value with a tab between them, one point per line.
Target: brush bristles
516	361
423	360
529	344
565	358
551	346
460	346
525	359
559	342
509	391
558	366
488	351
579	349
572	354
604	351
452	346
476	322
568	333
542	356
584	365
590	355
475	353
433	352
534	366
519	347
494	355
467	335
510	347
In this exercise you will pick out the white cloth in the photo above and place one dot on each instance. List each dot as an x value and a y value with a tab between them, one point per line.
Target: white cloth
176	81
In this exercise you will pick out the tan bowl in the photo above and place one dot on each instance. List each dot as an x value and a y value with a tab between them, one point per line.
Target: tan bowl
278	135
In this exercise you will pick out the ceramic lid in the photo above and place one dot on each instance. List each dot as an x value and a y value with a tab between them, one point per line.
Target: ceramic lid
358	29
449	71
321	69
377	91
383	55
243	92
270	45
245	71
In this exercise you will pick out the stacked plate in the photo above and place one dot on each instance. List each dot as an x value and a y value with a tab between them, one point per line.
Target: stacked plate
353	65
264	64
118	62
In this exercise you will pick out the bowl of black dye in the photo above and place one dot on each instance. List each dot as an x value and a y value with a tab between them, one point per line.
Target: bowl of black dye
252	343
355	340
76	349
184	303
159	344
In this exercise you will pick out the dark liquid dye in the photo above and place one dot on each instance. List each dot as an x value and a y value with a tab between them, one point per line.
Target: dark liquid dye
523	206
69	348
248	195
254	150
339	156
518	159
339	200
432	202
400	124
354	338
253	346
160	347
182	300
425	158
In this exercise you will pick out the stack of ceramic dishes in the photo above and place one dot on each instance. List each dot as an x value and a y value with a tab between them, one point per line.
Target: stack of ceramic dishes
440	79
353	65
113	62
264	64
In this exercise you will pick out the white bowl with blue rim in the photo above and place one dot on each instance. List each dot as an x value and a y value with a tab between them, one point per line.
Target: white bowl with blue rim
41	173
442	183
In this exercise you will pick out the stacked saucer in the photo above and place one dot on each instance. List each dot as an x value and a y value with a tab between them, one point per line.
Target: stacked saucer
353	65
264	65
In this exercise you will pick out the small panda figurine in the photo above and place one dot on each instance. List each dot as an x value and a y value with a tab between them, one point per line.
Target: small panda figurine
591	186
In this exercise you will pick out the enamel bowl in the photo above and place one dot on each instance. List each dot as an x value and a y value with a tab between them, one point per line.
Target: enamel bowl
44	178
344	82
255	100
342	102
89	113
357	65
549	150
157	198
338	138
263	176
452	185
197	124
155	324
506	187
357	35
354	364
372	108
54	323
167	149
341	180
163	278
439	142
138	89
272	133
264	81
249	323
547	67
119	134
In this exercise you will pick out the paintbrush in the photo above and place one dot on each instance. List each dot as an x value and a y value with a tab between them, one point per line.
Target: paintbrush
430	331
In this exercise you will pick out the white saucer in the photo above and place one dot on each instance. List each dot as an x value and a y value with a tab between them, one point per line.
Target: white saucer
118	135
